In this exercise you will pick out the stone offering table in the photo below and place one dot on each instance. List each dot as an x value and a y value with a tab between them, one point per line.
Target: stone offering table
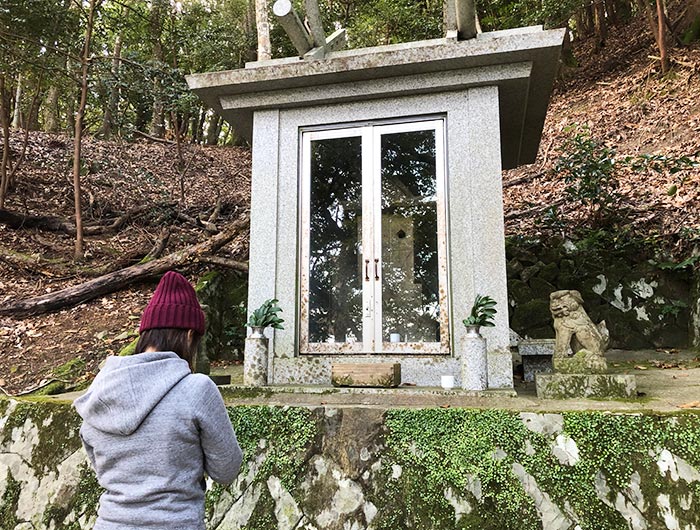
536	355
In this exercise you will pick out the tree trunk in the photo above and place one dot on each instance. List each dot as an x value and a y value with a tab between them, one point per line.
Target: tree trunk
158	118
623	10
77	141
5	123
111	111
590	18
661	15
114	281
33	110
646	9
601	25
51	118
17	116
56	224
611	10
263	28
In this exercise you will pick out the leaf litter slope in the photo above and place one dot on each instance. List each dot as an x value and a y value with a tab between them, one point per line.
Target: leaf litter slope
618	93
117	177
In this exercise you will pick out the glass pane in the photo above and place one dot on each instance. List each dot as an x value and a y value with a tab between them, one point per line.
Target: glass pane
410	295
335	283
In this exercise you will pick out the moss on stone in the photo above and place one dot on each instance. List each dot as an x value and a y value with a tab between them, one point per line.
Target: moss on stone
57	427
519	291
437	448
263	516
532	314
83	503
130	348
4	405
582	362
422	453
232	393
212	497
10	502
288	433
71	369
53	388
549	272
541	289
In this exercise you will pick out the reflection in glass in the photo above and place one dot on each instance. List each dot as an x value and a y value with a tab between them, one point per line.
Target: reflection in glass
335	284
410	293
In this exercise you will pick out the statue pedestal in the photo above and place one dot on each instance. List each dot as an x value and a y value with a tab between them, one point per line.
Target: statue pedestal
603	386
583	362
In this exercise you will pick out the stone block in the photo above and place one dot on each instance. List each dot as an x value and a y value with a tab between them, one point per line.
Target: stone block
366	374
220	379
536	355
563	386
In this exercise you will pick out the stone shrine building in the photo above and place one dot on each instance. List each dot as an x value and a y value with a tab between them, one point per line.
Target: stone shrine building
377	210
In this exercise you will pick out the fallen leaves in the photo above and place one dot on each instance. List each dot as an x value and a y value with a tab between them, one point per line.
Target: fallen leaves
666	365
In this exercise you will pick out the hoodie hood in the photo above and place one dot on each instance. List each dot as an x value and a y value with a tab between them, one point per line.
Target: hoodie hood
128	388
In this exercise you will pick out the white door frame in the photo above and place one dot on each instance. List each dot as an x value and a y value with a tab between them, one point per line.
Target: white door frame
371	240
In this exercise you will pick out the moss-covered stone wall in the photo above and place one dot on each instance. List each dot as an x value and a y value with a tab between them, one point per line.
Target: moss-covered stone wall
364	468
645	304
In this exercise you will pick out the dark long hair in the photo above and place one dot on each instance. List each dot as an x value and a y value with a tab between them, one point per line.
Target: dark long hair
171	339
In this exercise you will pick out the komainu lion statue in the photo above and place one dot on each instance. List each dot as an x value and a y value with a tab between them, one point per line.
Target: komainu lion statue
574	327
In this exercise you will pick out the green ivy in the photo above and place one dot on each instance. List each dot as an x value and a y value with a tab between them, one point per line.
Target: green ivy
438	449
286	435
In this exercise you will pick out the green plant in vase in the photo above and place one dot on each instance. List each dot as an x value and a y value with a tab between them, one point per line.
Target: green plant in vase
265	316
482	313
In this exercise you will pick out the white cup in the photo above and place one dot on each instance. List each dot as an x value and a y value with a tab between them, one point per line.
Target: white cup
395	337
447	382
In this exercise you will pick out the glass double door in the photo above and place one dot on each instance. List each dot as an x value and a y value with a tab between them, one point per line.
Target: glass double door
373	274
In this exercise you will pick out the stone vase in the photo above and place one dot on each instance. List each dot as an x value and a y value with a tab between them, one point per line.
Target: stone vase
257	332
474	365
255	358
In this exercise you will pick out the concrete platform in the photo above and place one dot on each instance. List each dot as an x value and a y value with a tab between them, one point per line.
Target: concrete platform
659	390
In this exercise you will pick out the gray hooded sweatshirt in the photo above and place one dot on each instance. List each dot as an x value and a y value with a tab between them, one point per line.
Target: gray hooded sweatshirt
151	430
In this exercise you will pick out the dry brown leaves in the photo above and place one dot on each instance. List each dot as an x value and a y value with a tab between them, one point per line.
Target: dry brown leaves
618	93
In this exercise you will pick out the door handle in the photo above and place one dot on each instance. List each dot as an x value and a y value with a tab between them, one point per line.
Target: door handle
376	269
366	270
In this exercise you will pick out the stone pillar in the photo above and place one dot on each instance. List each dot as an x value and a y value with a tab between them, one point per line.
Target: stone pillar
474	364
255	360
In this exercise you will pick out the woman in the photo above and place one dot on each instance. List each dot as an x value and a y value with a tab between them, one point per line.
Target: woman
152	429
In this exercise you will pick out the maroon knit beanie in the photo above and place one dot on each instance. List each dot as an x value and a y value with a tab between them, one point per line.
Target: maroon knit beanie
174	305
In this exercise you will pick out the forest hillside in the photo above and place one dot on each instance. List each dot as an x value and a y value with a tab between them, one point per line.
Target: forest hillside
633	130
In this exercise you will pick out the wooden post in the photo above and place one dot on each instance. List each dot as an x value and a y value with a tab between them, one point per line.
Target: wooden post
313	15
449	18
290	22
466	19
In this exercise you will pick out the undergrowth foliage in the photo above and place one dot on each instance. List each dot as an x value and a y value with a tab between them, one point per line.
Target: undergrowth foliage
591	171
588	169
